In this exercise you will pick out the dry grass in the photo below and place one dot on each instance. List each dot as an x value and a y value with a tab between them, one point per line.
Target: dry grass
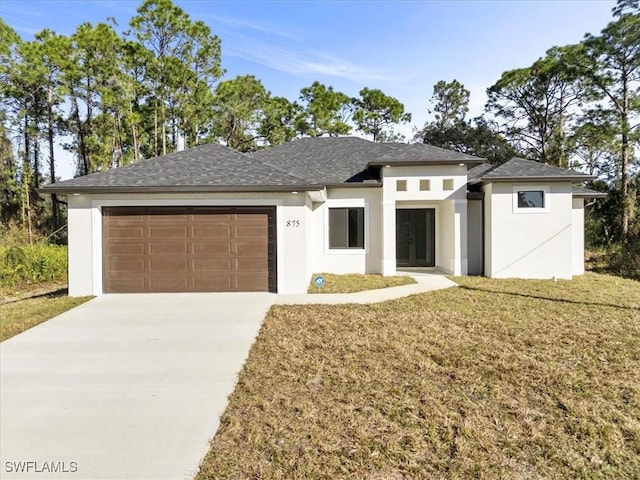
495	379
354	282
21	309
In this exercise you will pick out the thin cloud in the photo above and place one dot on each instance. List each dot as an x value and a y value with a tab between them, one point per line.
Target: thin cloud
313	63
258	27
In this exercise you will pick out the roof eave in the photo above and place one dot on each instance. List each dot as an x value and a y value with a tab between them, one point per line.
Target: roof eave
542	178
375	184
70	190
590	195
411	163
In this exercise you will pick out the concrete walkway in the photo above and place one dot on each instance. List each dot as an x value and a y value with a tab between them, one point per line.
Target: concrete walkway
425	282
132	386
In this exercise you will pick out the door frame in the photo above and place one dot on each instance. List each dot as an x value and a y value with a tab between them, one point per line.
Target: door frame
400	206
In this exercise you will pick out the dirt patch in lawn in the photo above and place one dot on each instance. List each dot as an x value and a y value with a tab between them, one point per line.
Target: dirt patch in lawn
495	379
352	282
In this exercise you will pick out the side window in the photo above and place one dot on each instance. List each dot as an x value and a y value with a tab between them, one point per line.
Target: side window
531	199
346	227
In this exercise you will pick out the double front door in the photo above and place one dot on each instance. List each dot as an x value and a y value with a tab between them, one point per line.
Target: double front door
415	237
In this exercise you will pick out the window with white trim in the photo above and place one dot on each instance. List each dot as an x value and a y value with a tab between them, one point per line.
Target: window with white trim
346	228
531	199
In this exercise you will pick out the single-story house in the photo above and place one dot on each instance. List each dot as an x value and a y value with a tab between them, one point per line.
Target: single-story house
213	219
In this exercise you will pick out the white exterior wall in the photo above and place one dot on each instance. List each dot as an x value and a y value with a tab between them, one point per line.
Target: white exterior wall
450	206
577	235
528	244
474	237
81	251
367	260
85	233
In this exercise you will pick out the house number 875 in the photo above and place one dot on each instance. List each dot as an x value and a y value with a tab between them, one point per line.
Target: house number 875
293	223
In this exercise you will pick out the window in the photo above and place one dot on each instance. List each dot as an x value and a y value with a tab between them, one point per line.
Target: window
447	184
425	185
401	185
531	199
346	227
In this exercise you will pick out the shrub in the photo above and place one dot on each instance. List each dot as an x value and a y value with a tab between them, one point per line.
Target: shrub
620	260
21	264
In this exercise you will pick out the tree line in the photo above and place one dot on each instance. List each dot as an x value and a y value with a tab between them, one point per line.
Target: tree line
578	106
115	98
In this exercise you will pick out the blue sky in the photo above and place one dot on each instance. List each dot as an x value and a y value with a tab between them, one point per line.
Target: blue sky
402	48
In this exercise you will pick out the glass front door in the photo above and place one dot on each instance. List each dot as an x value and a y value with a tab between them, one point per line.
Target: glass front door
415	237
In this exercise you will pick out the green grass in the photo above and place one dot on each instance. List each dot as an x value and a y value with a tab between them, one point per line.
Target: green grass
353	282
25	308
493	379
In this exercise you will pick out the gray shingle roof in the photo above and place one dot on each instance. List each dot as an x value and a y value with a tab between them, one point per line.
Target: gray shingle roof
475	174
303	164
419	152
206	167
581	192
323	160
521	169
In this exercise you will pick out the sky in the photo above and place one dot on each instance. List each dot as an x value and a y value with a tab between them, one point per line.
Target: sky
400	47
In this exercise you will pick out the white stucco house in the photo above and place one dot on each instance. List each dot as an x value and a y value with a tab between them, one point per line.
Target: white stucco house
213	219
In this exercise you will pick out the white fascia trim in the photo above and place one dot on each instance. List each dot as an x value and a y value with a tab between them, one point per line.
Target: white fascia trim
531	188
346	203
96	222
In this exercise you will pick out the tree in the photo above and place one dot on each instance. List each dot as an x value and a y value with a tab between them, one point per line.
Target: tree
182	65
278	124
451	130
374	111
535	105
612	66
594	145
450	103
238	107
325	111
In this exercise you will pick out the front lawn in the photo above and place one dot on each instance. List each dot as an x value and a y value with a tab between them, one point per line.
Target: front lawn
352	282
27	307
493	379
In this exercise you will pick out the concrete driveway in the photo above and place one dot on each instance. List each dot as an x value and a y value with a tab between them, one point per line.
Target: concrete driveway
124	386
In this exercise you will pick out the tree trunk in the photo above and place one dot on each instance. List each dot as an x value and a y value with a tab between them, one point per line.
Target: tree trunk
55	207
84	161
624	160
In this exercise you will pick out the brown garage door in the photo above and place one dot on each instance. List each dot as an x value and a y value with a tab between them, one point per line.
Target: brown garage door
188	249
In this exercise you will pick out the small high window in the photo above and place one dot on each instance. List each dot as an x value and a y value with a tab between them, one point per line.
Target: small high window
346	227
447	184
425	185
401	185
531	199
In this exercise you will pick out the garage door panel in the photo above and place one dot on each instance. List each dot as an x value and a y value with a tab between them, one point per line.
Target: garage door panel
251	283
168	248
213	284
212	247
128	284
164	232
125	249
168	263
126	263
212	231
163	283
172	249
212	265
126	232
